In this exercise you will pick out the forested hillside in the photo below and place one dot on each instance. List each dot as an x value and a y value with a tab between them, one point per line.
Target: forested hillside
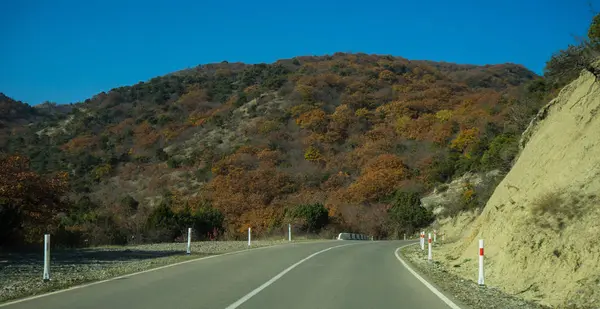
328	143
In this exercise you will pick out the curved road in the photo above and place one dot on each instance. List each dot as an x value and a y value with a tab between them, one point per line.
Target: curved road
329	274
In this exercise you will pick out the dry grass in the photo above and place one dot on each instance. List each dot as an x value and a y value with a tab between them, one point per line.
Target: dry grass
554	209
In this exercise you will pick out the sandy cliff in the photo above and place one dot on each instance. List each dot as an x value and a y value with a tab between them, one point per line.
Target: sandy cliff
542	224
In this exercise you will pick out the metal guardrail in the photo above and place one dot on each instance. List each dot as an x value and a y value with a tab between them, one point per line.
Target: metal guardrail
352	236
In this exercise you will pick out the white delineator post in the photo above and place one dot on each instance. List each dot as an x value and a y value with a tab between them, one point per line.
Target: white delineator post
481	281
289	232
249	237
422	240
434	236
429	256
404	236
46	276
189	242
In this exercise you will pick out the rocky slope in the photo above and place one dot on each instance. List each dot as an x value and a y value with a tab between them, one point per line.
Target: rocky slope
540	225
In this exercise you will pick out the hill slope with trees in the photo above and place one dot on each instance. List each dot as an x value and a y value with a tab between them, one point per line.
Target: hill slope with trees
226	146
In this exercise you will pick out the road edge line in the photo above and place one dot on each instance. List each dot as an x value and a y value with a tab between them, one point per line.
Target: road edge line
435	291
146	271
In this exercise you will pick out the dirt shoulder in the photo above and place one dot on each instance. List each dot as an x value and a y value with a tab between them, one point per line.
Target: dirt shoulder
465	291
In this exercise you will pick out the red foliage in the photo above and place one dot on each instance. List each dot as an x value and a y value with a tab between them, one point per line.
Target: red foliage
37	199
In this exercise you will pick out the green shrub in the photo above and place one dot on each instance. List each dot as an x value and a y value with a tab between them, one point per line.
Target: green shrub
315	216
131	203
162	225
407	212
173	163
500	153
565	65
165	225
208	221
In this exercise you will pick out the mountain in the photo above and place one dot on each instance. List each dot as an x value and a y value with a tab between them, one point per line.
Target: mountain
345	132
15	116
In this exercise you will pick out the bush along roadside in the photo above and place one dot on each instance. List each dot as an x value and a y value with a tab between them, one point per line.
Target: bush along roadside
465	291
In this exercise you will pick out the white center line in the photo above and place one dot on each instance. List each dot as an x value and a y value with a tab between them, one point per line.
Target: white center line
272	280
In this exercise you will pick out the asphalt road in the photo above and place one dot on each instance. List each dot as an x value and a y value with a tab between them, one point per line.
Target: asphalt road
331	275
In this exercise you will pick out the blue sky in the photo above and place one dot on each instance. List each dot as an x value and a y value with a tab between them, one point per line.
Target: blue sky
67	51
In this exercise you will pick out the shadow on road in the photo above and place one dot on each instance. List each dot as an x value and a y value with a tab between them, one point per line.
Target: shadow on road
84	256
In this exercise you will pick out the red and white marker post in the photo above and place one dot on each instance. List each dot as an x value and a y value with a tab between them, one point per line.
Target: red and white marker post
429	256
422	240
481	281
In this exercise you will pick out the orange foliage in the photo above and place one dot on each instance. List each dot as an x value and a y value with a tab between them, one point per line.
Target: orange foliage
306	92
259	219
193	99
239	193
378	104
80	143
121	126
238	162
145	135
368	150
251	89
269	158
343	115
196	119
314	120
381	132
35	198
465	140
379	178
387	76
428	127
393	110
440	133
335	181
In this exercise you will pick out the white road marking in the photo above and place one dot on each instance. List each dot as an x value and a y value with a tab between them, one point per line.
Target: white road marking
146	271
272	280
427	284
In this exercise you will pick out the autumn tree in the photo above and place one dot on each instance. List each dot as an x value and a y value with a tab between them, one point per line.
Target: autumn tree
29	203
379	178
465	140
314	120
346	130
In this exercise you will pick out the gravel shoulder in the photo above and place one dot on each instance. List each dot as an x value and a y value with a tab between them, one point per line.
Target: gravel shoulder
465	291
21	273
